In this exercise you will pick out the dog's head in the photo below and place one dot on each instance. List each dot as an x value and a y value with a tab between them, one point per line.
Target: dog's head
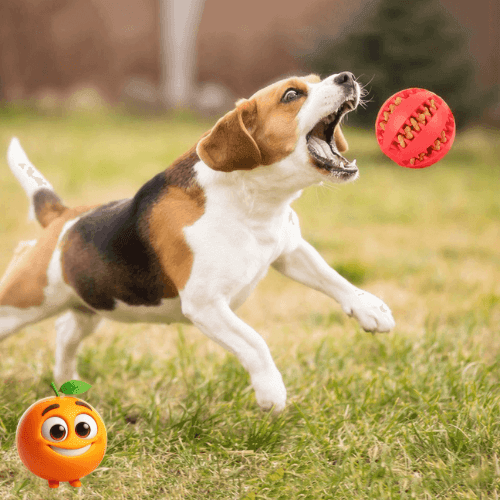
293	124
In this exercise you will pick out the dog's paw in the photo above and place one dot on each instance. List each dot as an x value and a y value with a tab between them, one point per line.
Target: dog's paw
372	313
270	391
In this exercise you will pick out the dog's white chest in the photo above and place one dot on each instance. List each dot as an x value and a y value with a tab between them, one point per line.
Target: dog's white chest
233	253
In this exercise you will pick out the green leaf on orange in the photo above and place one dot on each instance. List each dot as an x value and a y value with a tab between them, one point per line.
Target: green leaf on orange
75	387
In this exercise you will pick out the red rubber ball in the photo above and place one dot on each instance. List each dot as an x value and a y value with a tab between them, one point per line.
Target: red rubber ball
415	128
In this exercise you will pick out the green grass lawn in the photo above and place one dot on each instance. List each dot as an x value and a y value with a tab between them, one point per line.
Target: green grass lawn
410	414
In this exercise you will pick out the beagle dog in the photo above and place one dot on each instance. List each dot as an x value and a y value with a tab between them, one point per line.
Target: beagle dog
194	241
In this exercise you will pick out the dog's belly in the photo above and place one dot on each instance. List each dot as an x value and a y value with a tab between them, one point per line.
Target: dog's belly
168	311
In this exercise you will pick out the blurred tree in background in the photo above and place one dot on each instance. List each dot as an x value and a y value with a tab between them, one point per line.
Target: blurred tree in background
402	45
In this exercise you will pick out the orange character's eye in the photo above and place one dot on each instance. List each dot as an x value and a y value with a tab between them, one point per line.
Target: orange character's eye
85	426
54	429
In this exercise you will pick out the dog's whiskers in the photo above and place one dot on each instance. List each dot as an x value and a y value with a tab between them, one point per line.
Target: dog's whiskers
364	92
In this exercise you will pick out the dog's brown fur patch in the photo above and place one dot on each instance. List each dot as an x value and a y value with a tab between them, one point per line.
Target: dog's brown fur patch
168	217
259	131
24	286
275	127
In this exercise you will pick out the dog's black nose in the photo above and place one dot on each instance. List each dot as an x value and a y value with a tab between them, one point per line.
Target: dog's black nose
344	78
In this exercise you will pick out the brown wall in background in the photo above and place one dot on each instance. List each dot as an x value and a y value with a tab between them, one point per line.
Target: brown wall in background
65	44
481	21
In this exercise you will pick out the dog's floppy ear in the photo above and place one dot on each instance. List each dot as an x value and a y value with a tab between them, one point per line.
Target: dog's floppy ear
340	141
229	145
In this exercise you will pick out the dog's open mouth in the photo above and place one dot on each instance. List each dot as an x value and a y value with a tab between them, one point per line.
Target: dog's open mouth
321	143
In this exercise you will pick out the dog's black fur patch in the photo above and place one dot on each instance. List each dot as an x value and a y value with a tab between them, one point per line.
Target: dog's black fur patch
108	255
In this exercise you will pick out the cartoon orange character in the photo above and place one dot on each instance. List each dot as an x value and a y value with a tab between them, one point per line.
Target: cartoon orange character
61	438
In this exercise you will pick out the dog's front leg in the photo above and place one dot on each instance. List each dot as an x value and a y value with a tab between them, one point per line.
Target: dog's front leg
216	320
305	265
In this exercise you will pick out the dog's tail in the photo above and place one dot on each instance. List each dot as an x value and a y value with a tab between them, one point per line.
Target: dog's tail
45	205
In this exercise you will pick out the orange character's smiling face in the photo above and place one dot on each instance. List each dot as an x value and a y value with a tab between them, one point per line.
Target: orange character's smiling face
61	438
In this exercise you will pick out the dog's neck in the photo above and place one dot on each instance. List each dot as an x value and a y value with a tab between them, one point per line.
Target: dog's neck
260	193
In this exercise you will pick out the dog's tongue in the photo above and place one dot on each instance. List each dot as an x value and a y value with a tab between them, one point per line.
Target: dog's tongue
321	148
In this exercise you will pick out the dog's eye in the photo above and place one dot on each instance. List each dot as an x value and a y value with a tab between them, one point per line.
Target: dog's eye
291	94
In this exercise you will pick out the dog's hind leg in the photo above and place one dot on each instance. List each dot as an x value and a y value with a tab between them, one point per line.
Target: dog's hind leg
22	249
12	319
72	327
32	288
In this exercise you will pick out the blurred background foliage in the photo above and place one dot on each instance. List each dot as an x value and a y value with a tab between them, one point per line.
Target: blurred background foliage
407	44
154	55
